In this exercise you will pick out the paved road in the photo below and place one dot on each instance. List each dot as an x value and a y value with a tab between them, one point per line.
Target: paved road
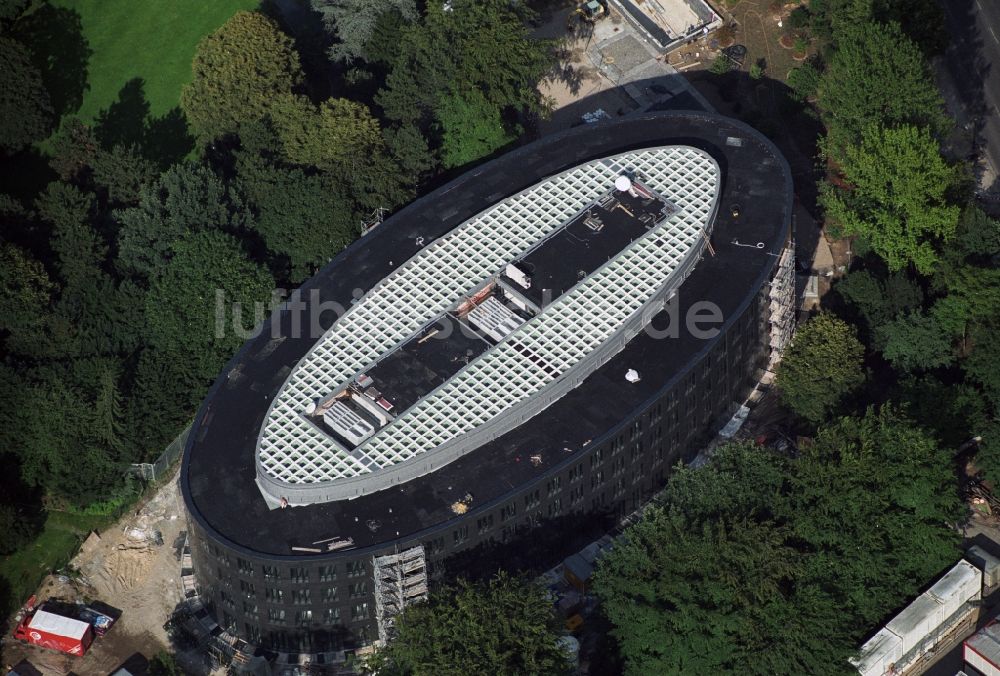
973	59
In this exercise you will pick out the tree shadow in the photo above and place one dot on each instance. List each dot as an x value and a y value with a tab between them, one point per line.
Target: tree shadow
60	51
163	140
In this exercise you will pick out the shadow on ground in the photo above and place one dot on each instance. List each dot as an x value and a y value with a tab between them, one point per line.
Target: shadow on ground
127	121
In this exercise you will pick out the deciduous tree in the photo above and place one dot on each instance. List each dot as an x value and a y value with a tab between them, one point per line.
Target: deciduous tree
238	70
821	366
899	198
502	626
877	76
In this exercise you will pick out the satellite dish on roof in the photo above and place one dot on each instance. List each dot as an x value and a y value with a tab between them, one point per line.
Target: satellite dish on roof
623	183
310	408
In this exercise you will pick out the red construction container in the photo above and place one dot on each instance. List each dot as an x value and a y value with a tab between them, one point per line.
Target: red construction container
55	632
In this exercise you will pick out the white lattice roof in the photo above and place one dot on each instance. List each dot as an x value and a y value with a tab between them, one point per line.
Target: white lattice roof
293	451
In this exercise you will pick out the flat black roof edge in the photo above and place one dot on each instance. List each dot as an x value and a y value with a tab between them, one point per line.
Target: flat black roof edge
661	116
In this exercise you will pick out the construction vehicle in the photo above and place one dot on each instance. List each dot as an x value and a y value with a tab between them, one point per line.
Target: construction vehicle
586	14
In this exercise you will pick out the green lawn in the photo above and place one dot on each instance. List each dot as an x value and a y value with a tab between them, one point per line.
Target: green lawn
149	39
53	548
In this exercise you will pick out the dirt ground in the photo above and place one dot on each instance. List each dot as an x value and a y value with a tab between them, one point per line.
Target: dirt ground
130	568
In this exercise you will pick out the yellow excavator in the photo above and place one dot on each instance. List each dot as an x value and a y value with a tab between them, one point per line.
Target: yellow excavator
587	14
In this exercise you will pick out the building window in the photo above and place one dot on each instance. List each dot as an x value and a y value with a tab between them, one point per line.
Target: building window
250	607
299	574
576	495
300	597
355	568
248	589
276	615
555	508
357	589
359	611
531	500
227	599
252	633
245	567
271	573
461	535
484	524
331	616
597	478
274	595
618	465
327	573
508	512
554	485
596	458
576	473
329	594
435	546
229	622
303	617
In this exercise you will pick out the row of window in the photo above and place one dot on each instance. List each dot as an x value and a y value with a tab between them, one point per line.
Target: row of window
296	574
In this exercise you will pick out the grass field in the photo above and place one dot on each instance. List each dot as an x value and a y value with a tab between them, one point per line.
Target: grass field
52	549
150	39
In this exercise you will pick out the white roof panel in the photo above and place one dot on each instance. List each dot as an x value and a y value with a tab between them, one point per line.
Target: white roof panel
291	450
58	625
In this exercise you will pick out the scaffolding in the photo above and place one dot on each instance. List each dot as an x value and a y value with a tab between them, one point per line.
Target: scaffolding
400	580
781	298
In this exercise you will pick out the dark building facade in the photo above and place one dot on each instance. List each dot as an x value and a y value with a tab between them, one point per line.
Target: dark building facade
538	491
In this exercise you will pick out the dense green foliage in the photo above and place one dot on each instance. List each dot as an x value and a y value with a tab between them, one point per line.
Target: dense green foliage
351	23
238	70
25	108
876	76
899	196
760	565
821	367
504	625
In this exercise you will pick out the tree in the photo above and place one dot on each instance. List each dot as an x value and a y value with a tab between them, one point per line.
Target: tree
187	198
954	411
877	76
302	220
80	250
804	80
164	664
182	308
470	128
899	196
338	135
422	76
25	107
352	22
874	298
875	499
711	581
70	460
16	529
237	71
982	365
25	291
916	341
822	365
502	626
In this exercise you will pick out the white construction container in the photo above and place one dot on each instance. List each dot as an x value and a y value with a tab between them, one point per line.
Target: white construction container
916	621
878	654
986	562
964	582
